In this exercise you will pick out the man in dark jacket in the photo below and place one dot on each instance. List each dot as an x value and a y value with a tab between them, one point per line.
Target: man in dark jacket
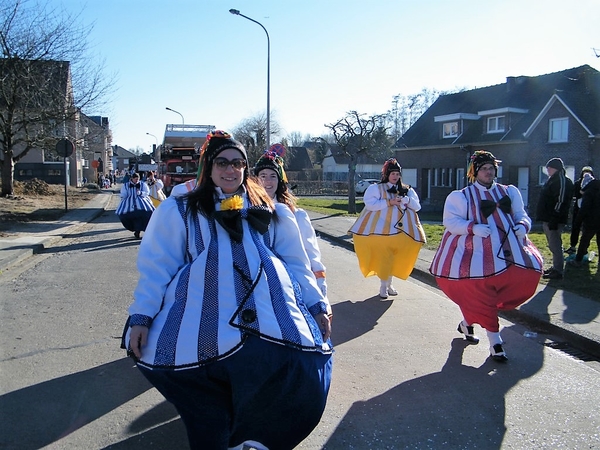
553	211
575	221
589	215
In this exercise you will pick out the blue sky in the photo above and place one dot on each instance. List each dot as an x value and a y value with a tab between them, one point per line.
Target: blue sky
327	56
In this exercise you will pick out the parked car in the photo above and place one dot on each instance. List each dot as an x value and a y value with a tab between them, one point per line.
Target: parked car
363	184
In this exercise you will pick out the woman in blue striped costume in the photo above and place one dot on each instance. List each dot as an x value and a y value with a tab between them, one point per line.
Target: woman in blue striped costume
135	208
228	322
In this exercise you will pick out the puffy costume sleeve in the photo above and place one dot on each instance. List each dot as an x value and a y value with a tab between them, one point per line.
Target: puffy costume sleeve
518	208
288	245
414	203
455	214
373	200
161	254
144	190
309	239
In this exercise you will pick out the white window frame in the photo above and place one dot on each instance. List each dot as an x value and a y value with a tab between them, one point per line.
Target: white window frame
558	130
493	124
449	130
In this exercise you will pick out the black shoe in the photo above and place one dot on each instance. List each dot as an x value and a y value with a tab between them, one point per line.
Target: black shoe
137	234
468	332
574	263
498	353
553	275
547	271
571	250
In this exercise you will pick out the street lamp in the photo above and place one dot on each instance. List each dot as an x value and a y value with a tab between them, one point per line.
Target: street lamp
182	120
236	12
155	138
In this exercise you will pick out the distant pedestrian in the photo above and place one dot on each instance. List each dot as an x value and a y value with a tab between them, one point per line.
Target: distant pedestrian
156	189
553	211
135	208
388	234
589	219
485	262
587	174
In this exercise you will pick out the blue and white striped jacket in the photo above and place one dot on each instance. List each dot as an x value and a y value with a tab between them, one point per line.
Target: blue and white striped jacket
200	293
134	197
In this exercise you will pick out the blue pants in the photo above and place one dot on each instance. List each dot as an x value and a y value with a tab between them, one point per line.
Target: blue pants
264	392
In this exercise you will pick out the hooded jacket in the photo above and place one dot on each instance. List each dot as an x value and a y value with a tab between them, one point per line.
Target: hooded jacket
555	199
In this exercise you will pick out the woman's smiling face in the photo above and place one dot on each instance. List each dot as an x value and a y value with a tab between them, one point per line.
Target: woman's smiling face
228	178
269	180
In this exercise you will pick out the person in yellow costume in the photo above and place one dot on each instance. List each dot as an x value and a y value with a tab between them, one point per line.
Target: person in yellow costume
388	234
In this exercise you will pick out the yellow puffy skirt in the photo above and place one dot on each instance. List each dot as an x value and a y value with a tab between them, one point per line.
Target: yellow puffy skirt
386	256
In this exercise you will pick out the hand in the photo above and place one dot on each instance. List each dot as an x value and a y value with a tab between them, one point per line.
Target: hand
481	230
138	338
553	225
404	202
520	230
324	325
322	285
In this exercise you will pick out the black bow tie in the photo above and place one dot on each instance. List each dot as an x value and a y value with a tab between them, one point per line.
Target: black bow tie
259	218
396	190
489	206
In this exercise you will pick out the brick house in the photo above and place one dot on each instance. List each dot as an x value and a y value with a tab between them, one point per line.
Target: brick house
523	122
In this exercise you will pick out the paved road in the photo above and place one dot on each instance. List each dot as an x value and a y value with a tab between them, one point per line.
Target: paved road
403	377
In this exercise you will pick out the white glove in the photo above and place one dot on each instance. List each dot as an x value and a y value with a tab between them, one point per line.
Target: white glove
520	230
482	230
404	202
322	285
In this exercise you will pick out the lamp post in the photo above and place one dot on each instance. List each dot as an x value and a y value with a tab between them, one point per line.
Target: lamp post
237	13
182	120
155	138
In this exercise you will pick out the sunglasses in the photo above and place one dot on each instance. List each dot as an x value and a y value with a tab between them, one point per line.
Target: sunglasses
223	163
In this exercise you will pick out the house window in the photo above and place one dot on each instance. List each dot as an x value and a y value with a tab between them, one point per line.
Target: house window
495	124
54	172
25	172
559	130
450	129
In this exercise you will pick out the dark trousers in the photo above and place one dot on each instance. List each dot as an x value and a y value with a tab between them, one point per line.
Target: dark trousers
575	227
264	392
586	237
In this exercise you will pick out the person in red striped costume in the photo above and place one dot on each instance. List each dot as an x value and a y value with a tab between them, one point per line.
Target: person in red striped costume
485	261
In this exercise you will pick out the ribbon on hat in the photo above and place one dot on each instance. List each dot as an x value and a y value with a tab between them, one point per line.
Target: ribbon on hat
258	217
489	206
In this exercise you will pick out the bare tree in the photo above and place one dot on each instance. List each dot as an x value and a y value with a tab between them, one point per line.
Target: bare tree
358	135
406	109
47	77
297	139
252	132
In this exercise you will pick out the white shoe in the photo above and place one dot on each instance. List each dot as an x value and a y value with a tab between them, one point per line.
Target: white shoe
383	291
391	290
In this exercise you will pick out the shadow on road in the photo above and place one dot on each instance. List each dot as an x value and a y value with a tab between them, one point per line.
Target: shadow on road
458	407
353	319
39	415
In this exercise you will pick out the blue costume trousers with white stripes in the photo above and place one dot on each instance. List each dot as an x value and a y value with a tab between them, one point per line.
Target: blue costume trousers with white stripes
264	392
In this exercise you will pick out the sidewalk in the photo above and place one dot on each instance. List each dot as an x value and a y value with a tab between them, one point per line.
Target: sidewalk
551	311
34	237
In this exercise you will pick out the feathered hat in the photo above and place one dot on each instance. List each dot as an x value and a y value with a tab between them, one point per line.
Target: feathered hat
479	159
272	159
